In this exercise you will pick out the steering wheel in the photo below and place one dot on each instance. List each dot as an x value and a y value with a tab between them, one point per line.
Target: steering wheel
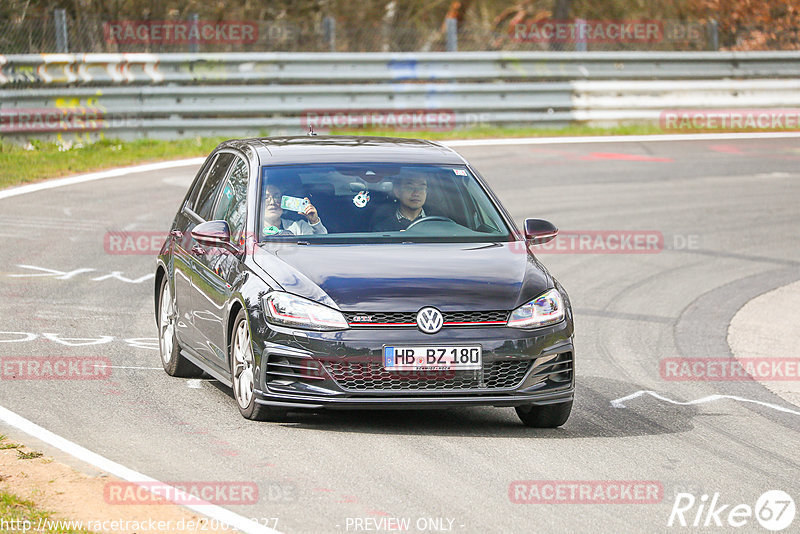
430	218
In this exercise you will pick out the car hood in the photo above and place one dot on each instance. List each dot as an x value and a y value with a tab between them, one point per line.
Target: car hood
406	277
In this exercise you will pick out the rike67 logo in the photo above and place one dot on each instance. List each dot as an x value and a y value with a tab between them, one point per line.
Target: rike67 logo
774	510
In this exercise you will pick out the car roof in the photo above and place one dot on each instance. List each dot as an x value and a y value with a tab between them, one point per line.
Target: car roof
346	149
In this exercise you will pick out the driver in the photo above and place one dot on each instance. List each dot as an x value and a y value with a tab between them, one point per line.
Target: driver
410	193
273	223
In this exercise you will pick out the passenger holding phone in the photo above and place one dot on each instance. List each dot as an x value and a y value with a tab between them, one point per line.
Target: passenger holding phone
273	223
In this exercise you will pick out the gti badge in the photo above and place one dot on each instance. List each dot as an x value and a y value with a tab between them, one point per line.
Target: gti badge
430	320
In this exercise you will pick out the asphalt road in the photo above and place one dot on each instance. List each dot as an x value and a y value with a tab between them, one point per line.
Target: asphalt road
729	213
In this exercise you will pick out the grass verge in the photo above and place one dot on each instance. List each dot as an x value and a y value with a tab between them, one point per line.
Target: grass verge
38	161
18	515
9	445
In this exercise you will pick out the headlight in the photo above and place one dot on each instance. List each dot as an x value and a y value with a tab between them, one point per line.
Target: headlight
290	310
547	308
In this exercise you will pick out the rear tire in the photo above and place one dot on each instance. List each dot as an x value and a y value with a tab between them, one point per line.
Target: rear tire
243	377
544	416
169	348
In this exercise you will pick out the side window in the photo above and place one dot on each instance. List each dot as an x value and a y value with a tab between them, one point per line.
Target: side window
208	193
191	199
232	205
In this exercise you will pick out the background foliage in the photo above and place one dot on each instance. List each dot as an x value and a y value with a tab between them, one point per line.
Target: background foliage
392	25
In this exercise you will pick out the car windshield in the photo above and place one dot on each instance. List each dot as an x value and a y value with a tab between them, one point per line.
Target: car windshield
376	202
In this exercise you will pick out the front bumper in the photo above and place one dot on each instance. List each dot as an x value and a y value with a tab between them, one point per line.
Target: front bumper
344	369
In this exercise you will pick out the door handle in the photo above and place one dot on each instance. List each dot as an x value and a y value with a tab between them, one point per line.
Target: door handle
197	249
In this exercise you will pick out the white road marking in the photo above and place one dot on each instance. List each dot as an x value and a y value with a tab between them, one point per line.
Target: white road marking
60	275
131	367
620	403
124	171
91	177
29	336
63	275
194	383
118	276
149	343
618	139
120	471
59	226
78	341
54	220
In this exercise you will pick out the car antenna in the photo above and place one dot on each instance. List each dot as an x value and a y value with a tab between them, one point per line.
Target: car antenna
311	130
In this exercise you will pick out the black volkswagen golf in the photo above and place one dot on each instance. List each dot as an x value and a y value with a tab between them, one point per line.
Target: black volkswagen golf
360	272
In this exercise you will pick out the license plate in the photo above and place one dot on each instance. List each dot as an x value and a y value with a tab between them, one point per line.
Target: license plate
432	358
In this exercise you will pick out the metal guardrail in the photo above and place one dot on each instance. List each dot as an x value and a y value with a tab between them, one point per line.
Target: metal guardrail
105	69
174	95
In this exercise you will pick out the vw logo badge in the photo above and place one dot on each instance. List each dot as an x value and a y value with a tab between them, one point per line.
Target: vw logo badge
430	320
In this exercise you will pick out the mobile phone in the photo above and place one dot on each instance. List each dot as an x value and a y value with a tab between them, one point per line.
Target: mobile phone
293	203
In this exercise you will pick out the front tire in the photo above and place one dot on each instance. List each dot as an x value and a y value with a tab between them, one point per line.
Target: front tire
172	361
544	416
243	372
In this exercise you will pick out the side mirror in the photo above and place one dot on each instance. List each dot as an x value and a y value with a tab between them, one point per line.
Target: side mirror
539	231
213	234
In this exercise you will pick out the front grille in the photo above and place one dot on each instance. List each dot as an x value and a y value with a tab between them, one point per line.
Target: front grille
371	376
476	317
372	319
410	318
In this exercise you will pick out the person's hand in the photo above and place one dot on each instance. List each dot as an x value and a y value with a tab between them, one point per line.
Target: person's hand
311	213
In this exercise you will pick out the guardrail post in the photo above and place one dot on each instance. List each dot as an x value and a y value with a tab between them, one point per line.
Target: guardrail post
452	34
580	42
194	46
329	32
712	29
60	21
